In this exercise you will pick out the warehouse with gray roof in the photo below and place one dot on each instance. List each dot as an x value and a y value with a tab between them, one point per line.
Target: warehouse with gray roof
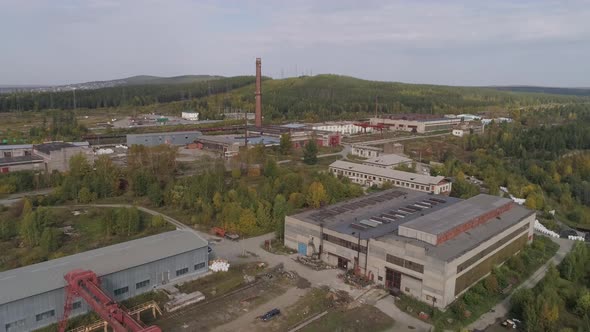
431	247
33	296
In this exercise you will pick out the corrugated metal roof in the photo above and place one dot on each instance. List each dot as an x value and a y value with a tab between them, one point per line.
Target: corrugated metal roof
455	215
388	173
16	146
387	160
39	278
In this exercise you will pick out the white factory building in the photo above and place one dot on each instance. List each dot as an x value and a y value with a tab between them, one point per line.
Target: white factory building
193	116
342	127
372	175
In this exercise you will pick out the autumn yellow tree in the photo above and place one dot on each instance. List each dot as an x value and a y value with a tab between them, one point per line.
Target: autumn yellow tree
316	195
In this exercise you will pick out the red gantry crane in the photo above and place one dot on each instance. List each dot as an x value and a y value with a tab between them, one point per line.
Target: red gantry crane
85	284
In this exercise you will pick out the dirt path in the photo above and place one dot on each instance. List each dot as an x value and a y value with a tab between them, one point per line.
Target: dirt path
248	321
501	309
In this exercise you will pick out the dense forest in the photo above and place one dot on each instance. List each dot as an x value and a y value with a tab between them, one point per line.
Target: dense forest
132	95
561	301
312	98
547	165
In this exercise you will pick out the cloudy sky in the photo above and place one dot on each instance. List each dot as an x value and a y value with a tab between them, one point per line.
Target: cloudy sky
462	42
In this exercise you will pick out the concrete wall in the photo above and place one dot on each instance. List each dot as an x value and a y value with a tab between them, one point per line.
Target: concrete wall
297	232
366	151
157	272
162	138
438	280
22	167
367	179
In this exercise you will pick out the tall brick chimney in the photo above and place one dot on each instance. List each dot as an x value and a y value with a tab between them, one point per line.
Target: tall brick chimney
258	93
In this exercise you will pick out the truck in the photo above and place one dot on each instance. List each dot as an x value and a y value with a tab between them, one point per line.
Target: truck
222	232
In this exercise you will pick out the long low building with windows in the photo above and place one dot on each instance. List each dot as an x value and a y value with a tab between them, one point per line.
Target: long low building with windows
33	296
431	247
372	175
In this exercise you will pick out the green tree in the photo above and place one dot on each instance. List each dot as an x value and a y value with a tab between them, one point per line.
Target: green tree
155	194
286	145
30	230
49	241
316	195
583	304
279	210
264	219
310	152
158	221
247	222
85	196
27	207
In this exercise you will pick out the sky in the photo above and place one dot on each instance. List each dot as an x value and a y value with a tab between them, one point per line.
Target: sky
454	42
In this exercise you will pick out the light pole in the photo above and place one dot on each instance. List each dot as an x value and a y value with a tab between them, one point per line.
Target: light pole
74	90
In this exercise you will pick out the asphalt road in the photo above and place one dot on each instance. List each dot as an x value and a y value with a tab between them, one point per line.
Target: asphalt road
13	198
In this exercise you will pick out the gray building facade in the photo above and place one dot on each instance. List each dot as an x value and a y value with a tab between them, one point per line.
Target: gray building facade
170	138
32	297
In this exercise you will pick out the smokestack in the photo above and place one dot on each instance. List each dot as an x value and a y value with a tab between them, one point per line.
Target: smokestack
258	93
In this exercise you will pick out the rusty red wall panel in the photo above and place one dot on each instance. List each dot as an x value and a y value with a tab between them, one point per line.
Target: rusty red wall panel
441	238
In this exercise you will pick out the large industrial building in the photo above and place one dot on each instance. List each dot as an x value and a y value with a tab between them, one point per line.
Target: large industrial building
47	157
170	138
428	246
368	175
417	123
33	296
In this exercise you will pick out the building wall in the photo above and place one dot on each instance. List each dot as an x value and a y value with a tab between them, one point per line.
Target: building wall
440	278
157	272
342	128
366	151
436	280
21	167
190	116
15	152
370	179
162	138
416	126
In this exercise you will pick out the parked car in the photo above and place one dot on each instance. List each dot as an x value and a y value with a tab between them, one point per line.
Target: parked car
269	315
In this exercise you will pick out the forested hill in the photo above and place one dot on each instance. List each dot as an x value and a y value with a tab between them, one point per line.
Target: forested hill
319	97
541	89
331	96
150	92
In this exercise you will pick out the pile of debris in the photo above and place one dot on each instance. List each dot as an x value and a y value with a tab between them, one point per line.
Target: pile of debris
314	263
178	300
353	279
218	265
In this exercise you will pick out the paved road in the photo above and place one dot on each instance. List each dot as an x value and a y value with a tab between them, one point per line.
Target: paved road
501	309
13	198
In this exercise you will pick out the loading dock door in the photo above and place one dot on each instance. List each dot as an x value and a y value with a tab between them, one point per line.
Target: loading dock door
393	280
302	249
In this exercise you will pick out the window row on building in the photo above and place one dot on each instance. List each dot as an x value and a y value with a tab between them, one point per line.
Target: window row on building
368	177
344	243
405	263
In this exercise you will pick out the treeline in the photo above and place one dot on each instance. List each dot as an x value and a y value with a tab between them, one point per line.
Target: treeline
247	201
40	231
547	165
324	97
134	95
561	301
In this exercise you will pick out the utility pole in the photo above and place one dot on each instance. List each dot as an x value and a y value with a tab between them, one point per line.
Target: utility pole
74	90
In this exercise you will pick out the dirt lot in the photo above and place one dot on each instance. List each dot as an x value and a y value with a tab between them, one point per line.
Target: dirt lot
227	298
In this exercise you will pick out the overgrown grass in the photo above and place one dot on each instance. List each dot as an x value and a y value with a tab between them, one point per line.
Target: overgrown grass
362	319
313	302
